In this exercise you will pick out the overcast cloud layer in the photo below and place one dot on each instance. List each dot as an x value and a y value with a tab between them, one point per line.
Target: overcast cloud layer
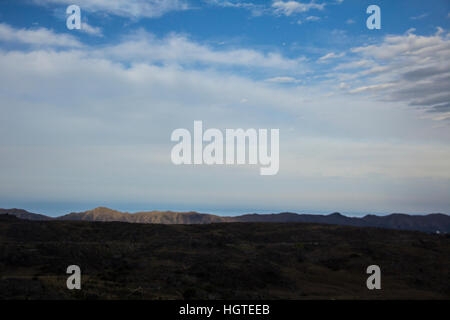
362	129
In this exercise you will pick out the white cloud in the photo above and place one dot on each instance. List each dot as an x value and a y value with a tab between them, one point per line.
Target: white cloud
331	55
374	87
39	37
409	45
343	85
84	126
336	158
312	18
283	80
126	8
288	8
420	17
179	49
256	9
87	28
409	68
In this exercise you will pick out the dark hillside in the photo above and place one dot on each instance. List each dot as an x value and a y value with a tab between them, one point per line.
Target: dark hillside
218	261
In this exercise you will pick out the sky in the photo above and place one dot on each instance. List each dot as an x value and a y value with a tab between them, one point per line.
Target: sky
87	115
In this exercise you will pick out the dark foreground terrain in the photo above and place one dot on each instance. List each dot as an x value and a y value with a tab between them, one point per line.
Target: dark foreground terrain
218	261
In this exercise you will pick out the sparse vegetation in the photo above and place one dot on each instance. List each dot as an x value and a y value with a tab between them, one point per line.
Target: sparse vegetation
218	261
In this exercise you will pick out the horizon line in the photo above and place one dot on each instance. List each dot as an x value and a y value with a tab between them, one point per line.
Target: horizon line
243	212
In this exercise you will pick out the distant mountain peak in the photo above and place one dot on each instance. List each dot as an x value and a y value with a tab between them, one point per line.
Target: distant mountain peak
23	214
103	209
336	214
425	223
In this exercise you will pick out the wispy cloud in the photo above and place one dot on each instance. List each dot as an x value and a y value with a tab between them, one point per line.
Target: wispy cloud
109	116
283	80
179	49
409	68
289	8
331	55
126	8
420	17
279	8
38	37
87	28
312	18
254	8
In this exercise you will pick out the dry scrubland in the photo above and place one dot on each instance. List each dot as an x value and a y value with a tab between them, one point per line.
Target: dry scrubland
218	261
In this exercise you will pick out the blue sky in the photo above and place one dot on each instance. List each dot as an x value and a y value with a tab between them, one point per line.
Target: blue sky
208	21
363	114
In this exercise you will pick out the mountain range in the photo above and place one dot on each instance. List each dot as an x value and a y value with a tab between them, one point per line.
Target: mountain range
431	223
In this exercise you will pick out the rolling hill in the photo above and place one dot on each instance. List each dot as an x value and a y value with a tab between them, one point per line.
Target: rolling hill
23	214
236	261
